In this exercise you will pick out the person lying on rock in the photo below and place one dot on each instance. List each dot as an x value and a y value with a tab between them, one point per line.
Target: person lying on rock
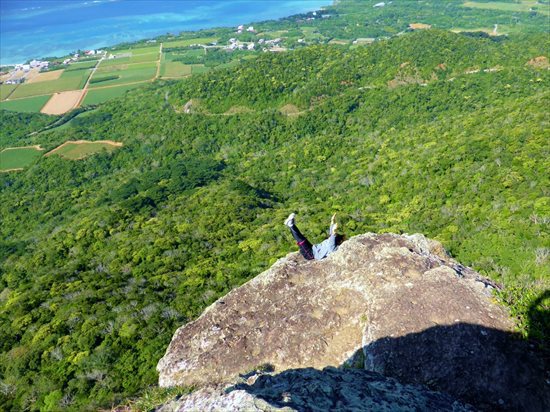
319	251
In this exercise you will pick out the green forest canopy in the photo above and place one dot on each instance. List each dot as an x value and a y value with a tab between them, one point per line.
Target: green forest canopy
103	258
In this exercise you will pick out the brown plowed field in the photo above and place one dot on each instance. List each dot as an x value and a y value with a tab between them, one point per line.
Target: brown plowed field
44	77
62	102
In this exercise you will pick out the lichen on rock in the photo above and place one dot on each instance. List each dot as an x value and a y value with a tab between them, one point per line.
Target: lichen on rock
396	305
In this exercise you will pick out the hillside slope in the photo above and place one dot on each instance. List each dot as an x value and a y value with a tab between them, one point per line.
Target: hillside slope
102	258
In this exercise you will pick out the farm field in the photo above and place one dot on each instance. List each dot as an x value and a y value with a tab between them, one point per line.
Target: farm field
273	34
311	33
172	69
189	42
16	158
138	50
46	76
201	68
198	69
126	74
338	41
149	57
97	96
81	65
189	56
114	62
522	6
477	29
6	89
69	80
62	102
75	150
140	58
29	104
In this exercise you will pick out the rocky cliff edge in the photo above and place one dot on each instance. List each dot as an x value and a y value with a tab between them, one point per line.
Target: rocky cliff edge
395	305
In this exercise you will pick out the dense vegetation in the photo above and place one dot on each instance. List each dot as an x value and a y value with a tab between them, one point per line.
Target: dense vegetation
103	258
210	58
16	126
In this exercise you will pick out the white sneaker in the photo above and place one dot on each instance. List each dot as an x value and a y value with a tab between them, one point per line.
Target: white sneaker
290	220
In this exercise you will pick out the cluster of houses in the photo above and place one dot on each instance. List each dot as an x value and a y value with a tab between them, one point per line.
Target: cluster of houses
17	80
235	44
314	15
19	71
32	65
76	56
267	45
71	59
249	29
273	42
93	52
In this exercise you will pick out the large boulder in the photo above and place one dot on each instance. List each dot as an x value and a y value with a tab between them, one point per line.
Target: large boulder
397	305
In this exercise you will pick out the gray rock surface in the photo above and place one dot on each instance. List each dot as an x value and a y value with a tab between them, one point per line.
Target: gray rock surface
312	390
397	305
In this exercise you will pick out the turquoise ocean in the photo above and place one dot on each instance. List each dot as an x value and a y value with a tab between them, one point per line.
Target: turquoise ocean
48	28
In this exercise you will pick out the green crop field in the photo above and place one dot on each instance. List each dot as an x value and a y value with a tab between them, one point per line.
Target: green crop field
146	57
113	62
102	95
174	69
30	104
189	55
6	89
138	51
139	58
522	6
189	42
69	80
311	33
273	34
200	68
18	158
127	74
81	65
75	151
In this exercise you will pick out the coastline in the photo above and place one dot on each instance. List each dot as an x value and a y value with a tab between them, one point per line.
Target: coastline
184	24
